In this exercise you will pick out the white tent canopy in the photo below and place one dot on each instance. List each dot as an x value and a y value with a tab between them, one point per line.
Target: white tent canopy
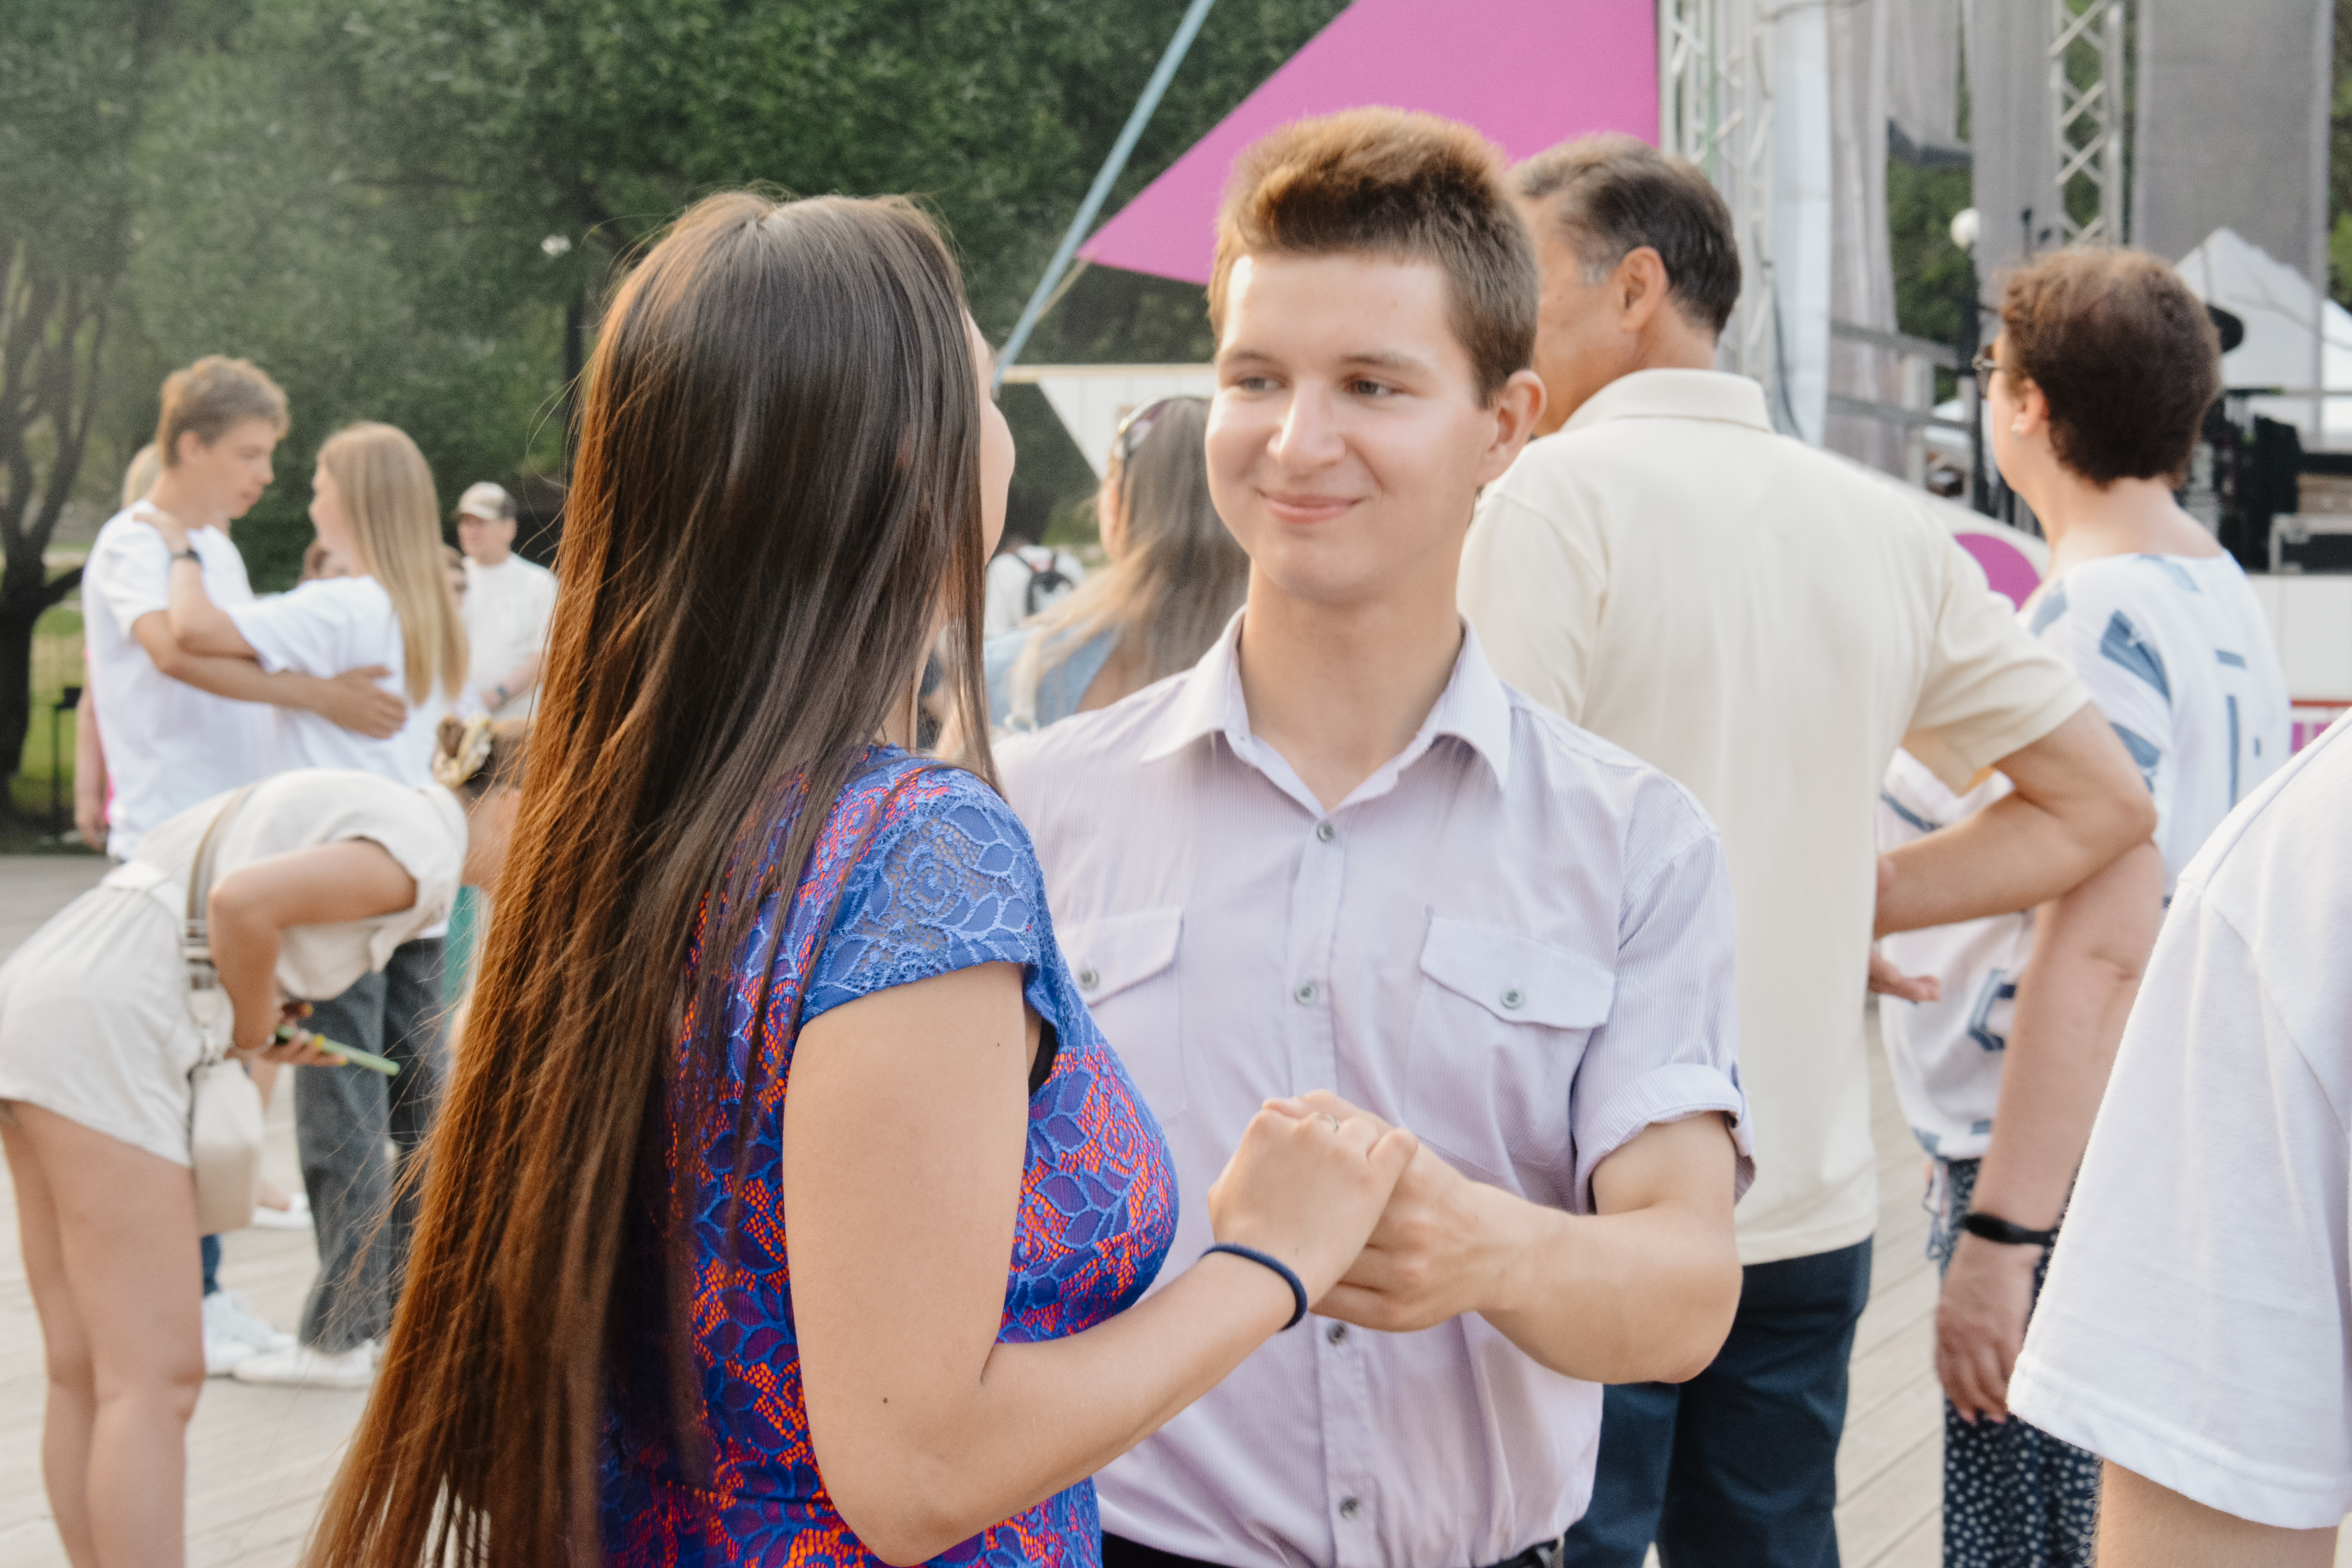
2286	321
1091	399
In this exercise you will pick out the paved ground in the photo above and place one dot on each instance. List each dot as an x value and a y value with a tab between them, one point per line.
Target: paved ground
260	1457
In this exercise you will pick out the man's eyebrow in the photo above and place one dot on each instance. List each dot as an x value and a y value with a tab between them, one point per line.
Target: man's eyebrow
1372	359
1386	359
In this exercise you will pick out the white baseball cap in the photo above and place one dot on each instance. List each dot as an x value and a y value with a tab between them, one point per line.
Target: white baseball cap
488	501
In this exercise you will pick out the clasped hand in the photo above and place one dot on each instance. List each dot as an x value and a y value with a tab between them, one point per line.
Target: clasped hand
1392	1238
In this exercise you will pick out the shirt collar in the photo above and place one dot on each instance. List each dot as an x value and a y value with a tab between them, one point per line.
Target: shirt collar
1675	395
1474	708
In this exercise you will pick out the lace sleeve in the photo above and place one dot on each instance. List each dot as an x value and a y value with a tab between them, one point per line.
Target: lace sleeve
951	882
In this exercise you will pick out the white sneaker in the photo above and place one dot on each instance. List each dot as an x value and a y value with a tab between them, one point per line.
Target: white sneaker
295	1215
305	1367
234	1333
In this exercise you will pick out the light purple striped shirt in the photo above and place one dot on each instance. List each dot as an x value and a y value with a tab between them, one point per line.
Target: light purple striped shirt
1514	939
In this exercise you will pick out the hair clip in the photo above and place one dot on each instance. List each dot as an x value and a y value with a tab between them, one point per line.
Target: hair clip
473	750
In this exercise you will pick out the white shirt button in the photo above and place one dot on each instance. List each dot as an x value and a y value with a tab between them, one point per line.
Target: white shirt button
1336	1334
1088	979
1513	998
1350	1507
1305	994
1325	831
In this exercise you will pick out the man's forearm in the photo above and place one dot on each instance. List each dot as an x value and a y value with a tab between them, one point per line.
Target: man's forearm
245	681
519	680
2089	948
1641	1297
2078	806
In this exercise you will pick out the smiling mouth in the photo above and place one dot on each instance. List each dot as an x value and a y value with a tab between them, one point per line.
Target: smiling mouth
1307	509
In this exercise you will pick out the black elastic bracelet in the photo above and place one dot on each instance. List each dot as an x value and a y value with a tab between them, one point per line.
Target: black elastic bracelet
1297	1289
1992	1228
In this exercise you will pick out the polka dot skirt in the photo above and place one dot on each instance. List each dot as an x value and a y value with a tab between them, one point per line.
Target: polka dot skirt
2015	1497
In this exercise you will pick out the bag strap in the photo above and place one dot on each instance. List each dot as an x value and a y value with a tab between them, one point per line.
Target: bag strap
205	997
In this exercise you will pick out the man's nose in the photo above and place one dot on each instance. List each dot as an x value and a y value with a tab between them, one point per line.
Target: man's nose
1308	436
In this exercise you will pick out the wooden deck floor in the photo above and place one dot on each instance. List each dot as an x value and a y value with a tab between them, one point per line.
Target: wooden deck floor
259	1458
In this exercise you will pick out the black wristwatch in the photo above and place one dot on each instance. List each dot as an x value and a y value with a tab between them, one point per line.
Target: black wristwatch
187	555
1992	1228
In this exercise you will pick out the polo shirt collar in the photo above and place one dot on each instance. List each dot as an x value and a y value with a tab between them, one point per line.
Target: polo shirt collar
1474	708
1676	394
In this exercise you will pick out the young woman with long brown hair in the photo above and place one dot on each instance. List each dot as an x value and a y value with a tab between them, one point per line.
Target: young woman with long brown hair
732	879
1175	578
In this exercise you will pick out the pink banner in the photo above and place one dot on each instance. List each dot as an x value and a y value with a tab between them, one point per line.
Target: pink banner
1528	73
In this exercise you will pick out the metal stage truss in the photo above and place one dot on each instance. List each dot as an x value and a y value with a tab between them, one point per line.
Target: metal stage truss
2087	118
1714	107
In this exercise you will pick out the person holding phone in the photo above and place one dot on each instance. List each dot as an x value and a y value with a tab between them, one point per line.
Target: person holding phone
319	875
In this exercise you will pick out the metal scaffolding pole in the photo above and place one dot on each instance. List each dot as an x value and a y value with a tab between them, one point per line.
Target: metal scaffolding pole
1045	294
2087	118
1714	107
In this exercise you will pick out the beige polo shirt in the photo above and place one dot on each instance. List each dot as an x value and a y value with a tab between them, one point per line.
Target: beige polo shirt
1765	623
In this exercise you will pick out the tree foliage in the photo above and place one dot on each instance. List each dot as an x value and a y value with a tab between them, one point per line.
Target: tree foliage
410	210
72	86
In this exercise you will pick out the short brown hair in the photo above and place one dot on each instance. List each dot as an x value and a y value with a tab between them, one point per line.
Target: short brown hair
213	397
2126	354
1410	186
1623	194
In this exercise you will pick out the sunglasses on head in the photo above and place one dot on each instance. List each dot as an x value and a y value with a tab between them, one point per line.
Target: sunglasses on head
1129	438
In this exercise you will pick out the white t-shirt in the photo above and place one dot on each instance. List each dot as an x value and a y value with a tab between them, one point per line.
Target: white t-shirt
1763	623
1007	605
168	744
325	627
2178	657
2195	1325
506	610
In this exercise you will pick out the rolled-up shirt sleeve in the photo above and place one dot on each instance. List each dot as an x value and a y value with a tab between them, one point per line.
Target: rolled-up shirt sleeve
1669	1049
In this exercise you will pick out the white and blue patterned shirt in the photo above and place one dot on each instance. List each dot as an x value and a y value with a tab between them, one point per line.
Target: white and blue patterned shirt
2178	655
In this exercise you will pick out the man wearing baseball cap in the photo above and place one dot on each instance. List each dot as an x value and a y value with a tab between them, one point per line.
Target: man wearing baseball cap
508	602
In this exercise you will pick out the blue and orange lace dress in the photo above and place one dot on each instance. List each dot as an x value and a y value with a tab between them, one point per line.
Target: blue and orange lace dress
935	873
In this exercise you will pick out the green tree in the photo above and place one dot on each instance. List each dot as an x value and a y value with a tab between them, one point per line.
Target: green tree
73	82
357	194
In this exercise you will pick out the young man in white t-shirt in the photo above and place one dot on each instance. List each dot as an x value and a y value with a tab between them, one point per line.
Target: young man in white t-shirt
507	604
2195	1326
180	727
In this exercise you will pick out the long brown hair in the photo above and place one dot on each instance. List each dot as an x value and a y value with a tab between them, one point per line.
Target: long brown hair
386	487
777	488
1181	575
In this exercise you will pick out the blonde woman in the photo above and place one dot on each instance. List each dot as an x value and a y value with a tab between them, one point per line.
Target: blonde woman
317	876
1176	577
372	503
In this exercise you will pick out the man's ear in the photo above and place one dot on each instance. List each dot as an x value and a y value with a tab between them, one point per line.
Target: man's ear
1640	287
1518	404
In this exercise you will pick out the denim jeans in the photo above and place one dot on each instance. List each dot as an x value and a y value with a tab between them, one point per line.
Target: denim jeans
359	1135
1738	1466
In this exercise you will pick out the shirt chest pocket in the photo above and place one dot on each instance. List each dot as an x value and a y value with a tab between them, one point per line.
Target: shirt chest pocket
1498	1030
1125	966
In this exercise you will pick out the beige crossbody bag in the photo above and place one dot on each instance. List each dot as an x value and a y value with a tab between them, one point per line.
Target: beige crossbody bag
223	1105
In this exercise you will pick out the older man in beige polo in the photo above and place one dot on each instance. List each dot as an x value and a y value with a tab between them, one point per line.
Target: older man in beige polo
1765	623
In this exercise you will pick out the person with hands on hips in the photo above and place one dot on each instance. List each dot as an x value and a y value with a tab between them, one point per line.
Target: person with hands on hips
1340	863
2000	1032
318	875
